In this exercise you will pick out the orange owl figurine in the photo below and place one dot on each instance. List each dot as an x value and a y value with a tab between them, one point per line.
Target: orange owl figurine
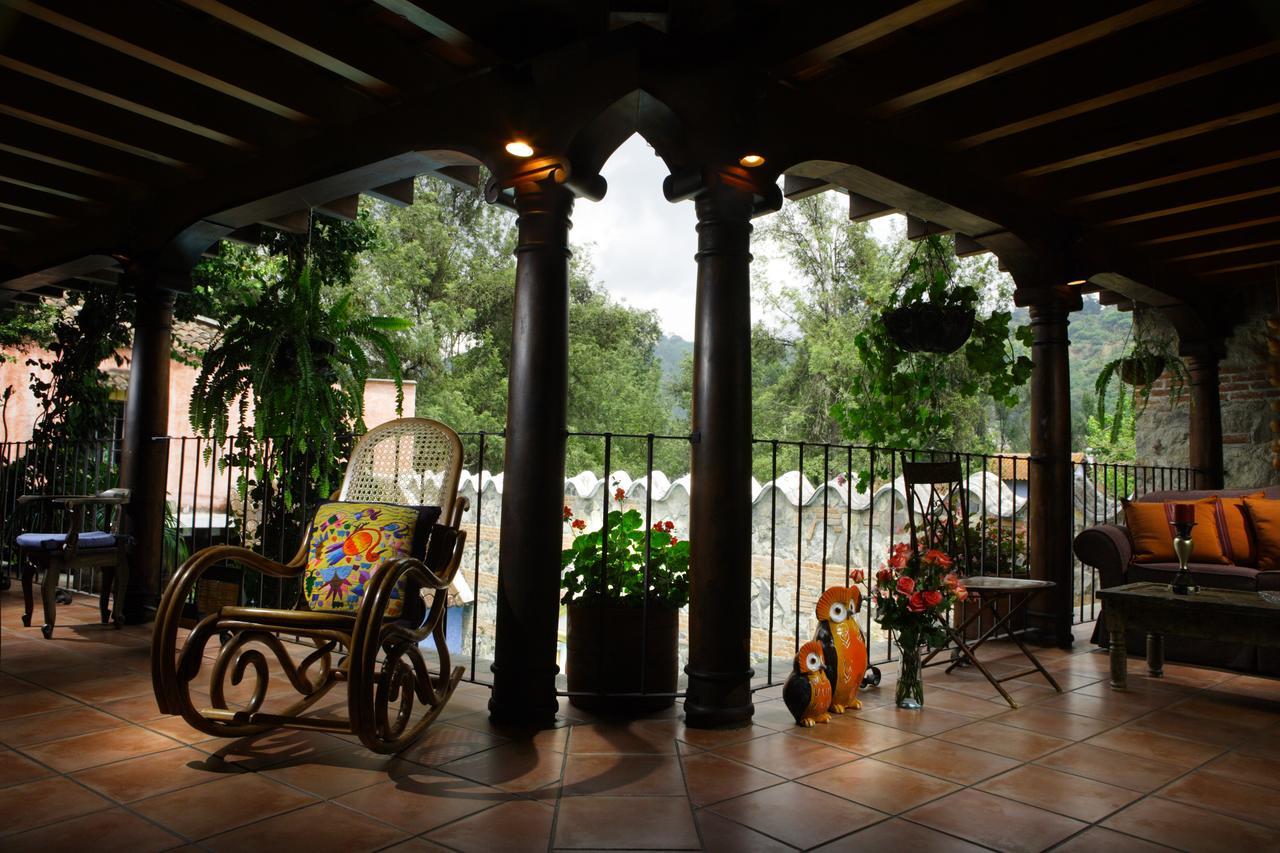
807	693
844	652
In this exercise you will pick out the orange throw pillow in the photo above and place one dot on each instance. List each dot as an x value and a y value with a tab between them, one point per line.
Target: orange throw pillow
1234	528
1151	528
1264	517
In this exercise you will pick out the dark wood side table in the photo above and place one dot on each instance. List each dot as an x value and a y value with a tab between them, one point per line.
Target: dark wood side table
1211	614
989	593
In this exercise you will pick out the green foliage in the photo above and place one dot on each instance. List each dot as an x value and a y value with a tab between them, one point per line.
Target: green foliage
618	575
1109	441
75	401
23	326
1148	353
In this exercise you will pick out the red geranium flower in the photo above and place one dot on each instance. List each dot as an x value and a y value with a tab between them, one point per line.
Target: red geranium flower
568	513
906	586
619	494
675	541
669	526
579	524
916	603
932	598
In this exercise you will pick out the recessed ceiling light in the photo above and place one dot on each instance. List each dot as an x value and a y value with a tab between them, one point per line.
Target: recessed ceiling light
519	148
751	160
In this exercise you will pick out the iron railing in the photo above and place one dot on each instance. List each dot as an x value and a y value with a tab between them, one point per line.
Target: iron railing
813	521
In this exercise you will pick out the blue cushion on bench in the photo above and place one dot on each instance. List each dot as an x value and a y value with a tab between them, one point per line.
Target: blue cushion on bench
55	541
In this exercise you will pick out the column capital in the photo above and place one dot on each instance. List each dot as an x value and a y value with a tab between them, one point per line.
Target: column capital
729	187
1048	302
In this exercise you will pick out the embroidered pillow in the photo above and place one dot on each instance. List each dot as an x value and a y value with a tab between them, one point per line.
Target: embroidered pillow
349	541
1151	529
1235	528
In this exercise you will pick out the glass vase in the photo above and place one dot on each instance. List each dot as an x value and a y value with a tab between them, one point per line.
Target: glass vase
910	693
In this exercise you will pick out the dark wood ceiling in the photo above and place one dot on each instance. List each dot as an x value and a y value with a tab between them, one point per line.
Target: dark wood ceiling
1134	138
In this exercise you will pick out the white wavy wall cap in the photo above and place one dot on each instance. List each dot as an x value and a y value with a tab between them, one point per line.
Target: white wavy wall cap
986	491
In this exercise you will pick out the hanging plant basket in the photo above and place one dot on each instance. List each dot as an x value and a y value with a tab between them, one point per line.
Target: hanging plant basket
1142	371
925	327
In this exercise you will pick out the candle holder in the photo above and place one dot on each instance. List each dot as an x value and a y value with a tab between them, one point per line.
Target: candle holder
1183	583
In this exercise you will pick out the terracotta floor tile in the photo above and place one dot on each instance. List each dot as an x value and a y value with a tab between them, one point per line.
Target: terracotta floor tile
1037	718
774	715
1099	839
46	801
1189	828
948	760
711	778
899	835
34	700
1004	740
553	739
1170	721
995	822
962	703
927	721
149	775
1225	710
178	729
721	835
1228	796
665	823
797	815
339	772
622	775
89	750
16	768
422	800
108	689
516	826
54	725
272	747
857	735
321	828
786	755
516	767
415	845
1074	796
1099	707
1114	768
136	709
1136	740
1250	769
59	677
214	807
444	743
705	738
10	685
103	832
622	738
885	787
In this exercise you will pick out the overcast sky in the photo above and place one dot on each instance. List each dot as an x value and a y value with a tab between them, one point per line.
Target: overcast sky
643	246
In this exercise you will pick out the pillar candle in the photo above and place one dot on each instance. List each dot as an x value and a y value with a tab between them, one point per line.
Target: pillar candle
1184	513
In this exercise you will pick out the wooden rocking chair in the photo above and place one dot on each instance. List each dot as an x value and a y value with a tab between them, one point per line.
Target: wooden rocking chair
412	461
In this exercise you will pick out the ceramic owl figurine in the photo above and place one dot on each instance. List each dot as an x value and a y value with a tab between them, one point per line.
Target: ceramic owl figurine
844	652
807	693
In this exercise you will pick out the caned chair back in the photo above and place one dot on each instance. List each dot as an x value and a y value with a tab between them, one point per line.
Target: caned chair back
411	461
934	490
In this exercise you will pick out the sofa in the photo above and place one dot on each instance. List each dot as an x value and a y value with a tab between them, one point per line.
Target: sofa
1109	549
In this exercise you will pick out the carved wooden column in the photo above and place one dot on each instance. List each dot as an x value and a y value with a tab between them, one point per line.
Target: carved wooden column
524	668
1205	417
719	670
1051	478
144	464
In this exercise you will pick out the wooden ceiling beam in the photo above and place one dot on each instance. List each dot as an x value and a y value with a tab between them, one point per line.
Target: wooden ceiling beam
1257	257
63	183
1208	230
346	208
80	156
1038	45
796	187
465	177
1138	233
967	247
1230	246
863	24
1191	194
863	209
48	205
399	193
918	229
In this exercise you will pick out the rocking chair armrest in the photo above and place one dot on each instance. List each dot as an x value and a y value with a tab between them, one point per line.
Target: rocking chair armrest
30	499
92	500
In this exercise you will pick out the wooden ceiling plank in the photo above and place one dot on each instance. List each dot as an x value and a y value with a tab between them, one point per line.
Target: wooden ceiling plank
967	247
121	102
868	25
429	20
1121	95
863	209
50	187
284	41
49	147
346	208
1274	262
796	187
49	204
1262	192
1196	220
918	229
399	193
1163	200
1204	232
1246	257
90	136
1228	250
462	176
1030	54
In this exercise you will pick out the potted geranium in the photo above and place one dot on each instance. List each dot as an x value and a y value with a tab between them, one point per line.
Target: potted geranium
623	635
913	597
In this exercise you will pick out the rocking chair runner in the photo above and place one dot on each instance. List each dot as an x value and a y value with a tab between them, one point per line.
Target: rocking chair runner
397	462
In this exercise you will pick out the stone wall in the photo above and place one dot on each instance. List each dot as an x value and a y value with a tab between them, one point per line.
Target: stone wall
1247	396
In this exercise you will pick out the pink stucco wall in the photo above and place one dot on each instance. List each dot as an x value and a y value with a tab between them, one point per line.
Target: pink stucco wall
194	480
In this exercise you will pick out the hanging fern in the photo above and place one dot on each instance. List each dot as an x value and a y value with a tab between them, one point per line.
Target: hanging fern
301	367
1144	358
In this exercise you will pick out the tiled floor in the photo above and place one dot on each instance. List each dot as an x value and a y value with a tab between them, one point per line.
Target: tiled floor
1189	762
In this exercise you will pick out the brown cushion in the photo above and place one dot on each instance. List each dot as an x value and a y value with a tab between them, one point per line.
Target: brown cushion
1233	526
1152	531
1264	518
1209	575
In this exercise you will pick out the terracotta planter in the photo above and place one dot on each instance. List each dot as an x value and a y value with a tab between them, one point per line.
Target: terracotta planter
607	645
925	327
1142	371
